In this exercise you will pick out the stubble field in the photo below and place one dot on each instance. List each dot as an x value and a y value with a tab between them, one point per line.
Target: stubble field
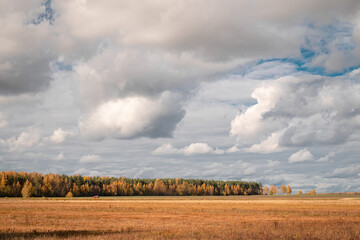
250	217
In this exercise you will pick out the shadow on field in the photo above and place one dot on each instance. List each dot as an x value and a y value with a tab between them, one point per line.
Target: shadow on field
61	234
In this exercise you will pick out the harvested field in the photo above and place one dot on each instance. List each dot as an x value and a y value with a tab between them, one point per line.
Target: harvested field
251	217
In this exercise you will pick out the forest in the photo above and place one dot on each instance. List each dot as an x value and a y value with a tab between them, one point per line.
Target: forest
23	184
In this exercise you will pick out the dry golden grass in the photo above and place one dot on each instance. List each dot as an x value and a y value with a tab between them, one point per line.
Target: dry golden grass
182	218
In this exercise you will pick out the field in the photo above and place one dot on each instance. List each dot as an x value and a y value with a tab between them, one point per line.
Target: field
234	217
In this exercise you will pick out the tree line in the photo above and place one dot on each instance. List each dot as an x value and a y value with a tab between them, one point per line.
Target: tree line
273	190
23	184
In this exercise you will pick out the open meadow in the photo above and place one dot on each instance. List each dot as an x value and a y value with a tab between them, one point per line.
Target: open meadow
232	217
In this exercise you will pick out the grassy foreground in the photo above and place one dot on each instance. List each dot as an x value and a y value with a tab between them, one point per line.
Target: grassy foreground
236	217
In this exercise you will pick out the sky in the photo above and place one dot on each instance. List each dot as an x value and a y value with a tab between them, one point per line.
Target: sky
265	91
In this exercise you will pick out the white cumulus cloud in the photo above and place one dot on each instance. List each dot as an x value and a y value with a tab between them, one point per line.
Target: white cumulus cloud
319	110
197	148
270	145
191	149
302	155
132	117
166	149
25	140
233	149
59	136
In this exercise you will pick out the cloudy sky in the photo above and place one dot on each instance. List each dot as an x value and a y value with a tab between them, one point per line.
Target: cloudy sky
257	90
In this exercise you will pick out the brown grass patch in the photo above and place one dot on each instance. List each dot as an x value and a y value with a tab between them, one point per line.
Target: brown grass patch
181	218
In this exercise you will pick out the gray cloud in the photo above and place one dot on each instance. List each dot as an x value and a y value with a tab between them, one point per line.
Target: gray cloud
25	49
346	172
25	74
225	30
